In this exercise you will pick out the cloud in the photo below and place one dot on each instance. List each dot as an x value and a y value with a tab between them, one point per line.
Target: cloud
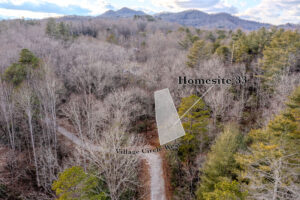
109	6
222	6
46	7
80	7
166	5
13	14
210	6
196	3
274	12
179	5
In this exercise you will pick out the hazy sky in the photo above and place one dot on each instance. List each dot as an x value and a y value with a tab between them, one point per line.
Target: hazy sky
270	11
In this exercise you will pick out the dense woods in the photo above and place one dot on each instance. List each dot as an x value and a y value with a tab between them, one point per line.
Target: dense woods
96	78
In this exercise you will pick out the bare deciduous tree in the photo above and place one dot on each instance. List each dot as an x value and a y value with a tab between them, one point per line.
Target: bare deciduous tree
26	102
46	92
117	170
7	106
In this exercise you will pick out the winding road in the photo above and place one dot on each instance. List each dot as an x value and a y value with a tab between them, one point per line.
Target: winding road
156	176
154	161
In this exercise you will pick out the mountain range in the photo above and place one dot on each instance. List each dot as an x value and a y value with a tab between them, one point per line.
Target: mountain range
198	19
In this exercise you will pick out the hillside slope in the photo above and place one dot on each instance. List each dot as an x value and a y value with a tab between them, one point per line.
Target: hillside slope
203	20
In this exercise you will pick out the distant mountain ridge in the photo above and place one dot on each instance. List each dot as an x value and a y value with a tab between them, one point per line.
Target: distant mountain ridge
198	19
122	13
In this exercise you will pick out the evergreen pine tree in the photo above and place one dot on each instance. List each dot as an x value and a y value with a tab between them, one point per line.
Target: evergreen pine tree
18	72
75	184
196	53
273	160
220	167
195	125
282	53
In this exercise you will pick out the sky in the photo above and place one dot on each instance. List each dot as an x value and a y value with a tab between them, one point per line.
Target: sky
267	11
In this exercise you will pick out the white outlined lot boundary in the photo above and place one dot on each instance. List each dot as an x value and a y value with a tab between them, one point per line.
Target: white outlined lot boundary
167	118
166	114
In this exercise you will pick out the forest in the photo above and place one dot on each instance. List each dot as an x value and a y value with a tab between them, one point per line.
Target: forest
72	90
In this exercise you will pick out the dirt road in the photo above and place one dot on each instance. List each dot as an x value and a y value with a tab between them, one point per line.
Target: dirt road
154	161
